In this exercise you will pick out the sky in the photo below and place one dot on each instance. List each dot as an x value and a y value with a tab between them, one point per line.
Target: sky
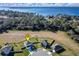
53	2
39	1
40	4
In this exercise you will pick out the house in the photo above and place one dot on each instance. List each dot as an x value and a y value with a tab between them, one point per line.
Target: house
58	48
45	44
29	45
6	50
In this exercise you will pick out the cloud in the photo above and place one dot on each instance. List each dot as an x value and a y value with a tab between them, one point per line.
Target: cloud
39	4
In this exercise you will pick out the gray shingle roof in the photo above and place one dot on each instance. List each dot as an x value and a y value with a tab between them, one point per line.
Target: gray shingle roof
6	49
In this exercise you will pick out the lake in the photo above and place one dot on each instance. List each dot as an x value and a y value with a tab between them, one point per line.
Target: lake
46	10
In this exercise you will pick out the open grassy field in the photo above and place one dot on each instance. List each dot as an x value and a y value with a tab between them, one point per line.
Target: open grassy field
62	38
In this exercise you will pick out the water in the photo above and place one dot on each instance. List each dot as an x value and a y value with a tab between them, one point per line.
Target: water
46	10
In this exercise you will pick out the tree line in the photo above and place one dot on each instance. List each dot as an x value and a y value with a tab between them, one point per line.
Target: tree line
35	22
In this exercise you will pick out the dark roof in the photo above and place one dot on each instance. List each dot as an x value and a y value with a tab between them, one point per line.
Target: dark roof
6	49
58	48
45	43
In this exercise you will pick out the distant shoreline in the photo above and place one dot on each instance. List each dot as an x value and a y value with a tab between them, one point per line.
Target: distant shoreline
45	11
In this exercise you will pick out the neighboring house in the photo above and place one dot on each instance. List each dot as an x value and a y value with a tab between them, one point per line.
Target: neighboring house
45	44
6	50
57	48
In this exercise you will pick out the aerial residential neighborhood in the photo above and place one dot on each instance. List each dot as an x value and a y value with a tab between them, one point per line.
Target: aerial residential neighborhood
43	49
39	29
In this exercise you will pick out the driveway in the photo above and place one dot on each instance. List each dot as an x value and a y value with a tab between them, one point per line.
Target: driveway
41	52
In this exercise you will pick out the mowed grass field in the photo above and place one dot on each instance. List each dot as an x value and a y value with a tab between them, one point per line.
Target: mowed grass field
72	48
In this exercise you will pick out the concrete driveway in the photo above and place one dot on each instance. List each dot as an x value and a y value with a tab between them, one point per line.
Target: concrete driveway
41	52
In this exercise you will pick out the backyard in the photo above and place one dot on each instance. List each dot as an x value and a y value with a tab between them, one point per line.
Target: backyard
16	38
